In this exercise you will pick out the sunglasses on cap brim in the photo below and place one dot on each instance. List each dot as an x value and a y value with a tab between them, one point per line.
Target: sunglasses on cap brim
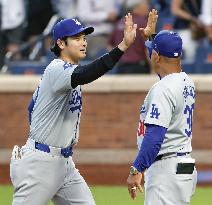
150	46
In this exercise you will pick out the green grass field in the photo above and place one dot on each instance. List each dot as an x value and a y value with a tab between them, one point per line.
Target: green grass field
116	195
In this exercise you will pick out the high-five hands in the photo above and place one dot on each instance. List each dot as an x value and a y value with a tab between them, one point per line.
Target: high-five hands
129	33
130	29
151	25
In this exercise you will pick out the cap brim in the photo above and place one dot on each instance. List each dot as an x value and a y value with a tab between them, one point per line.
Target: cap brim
149	44
86	30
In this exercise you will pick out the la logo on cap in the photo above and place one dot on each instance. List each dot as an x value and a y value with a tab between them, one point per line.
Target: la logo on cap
76	21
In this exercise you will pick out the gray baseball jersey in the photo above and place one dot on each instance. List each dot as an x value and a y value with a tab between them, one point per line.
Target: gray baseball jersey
170	104
54	121
58	126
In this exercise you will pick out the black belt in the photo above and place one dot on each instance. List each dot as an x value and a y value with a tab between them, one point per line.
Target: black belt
159	157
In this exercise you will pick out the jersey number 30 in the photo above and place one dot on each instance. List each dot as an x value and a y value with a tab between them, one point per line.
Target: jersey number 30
189	112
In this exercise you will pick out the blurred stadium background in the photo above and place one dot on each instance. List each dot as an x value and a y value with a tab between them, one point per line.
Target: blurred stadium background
111	105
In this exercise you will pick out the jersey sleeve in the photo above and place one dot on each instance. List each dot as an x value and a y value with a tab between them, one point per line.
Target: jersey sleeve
60	76
161	105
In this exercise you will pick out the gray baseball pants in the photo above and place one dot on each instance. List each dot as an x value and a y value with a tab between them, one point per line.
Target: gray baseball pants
38	177
164	187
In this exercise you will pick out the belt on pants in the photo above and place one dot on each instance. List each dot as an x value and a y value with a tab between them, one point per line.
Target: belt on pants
161	156
65	152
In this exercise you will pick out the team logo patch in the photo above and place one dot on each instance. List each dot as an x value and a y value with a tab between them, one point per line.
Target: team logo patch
66	65
155	112
75	102
77	22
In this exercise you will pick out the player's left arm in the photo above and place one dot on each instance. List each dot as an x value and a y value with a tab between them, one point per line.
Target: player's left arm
149	150
159	113
92	71
88	73
150	147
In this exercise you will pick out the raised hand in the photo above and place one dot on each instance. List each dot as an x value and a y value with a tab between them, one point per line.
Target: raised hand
129	33
151	25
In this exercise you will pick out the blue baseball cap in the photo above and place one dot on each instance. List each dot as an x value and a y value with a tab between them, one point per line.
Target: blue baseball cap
69	27
167	43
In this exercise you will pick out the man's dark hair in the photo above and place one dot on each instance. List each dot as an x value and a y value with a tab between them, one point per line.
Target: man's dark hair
56	49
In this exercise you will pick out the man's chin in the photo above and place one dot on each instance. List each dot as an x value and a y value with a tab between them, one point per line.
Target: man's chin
82	56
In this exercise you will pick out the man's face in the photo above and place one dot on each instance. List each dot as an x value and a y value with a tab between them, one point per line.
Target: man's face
76	47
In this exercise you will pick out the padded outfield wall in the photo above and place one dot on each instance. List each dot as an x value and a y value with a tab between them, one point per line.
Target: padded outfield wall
109	121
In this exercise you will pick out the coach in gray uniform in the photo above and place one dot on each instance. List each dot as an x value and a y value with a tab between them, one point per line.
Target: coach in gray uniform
43	169
165	129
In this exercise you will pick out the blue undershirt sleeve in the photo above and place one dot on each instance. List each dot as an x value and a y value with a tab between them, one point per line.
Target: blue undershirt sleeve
150	146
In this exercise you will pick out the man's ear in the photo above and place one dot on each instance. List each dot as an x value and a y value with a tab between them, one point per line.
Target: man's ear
157	58
61	43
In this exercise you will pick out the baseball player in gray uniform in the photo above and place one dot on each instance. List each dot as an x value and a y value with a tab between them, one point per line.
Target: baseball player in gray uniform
43	168
165	129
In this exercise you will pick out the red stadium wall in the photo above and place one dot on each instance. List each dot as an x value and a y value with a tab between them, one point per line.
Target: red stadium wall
108	129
